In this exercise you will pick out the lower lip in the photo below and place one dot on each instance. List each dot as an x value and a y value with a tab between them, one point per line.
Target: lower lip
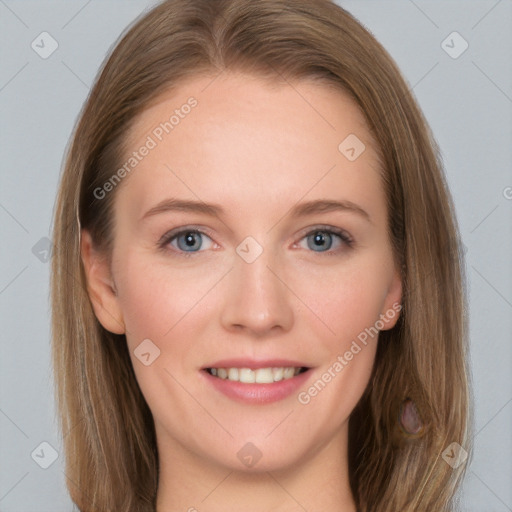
258	393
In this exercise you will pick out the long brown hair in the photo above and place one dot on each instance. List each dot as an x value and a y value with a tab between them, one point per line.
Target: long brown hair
107	427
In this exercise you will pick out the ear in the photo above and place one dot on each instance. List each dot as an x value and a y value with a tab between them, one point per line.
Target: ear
392	303
100	286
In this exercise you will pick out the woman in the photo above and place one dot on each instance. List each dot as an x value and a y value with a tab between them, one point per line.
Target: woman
257	284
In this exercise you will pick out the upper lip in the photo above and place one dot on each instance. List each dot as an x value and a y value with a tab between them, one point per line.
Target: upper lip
254	364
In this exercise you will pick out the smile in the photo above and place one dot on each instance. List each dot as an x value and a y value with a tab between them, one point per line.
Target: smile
258	376
256	382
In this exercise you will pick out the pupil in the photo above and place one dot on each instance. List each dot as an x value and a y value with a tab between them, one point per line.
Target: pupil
191	241
319	238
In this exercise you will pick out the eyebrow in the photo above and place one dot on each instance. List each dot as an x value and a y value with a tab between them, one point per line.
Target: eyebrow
299	210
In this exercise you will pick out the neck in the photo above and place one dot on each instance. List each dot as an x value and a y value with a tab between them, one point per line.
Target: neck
318	481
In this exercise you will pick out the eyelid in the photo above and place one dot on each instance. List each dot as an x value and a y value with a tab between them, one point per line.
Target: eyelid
169	235
343	233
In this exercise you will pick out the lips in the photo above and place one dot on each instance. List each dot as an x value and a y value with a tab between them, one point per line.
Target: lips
252	381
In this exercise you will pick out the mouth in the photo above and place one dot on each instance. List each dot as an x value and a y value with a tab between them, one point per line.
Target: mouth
267	375
256	381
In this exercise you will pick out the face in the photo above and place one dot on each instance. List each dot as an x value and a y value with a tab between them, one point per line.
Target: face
250	242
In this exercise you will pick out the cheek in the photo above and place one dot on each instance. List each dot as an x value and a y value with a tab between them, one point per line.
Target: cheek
179	308
155	297
163	305
347	299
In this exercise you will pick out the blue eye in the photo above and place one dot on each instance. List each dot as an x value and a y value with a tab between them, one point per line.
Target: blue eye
190	240
321	240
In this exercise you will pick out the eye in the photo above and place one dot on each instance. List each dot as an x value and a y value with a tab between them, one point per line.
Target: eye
323	239
186	240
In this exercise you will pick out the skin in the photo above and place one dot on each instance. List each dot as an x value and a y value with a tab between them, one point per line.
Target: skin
257	149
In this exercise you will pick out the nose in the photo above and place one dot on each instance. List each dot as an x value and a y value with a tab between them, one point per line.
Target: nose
257	298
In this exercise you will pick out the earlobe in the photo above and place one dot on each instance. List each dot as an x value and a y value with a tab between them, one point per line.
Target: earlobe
100	286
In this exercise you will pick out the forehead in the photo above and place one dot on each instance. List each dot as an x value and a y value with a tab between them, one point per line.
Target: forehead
241	140
238	98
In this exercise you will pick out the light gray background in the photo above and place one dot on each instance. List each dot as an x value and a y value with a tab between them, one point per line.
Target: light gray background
467	101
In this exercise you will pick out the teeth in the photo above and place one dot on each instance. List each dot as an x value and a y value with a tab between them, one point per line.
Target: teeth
233	374
278	374
260	376
246	375
288	373
264	376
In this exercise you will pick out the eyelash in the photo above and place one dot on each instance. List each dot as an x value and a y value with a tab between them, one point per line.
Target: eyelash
345	238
